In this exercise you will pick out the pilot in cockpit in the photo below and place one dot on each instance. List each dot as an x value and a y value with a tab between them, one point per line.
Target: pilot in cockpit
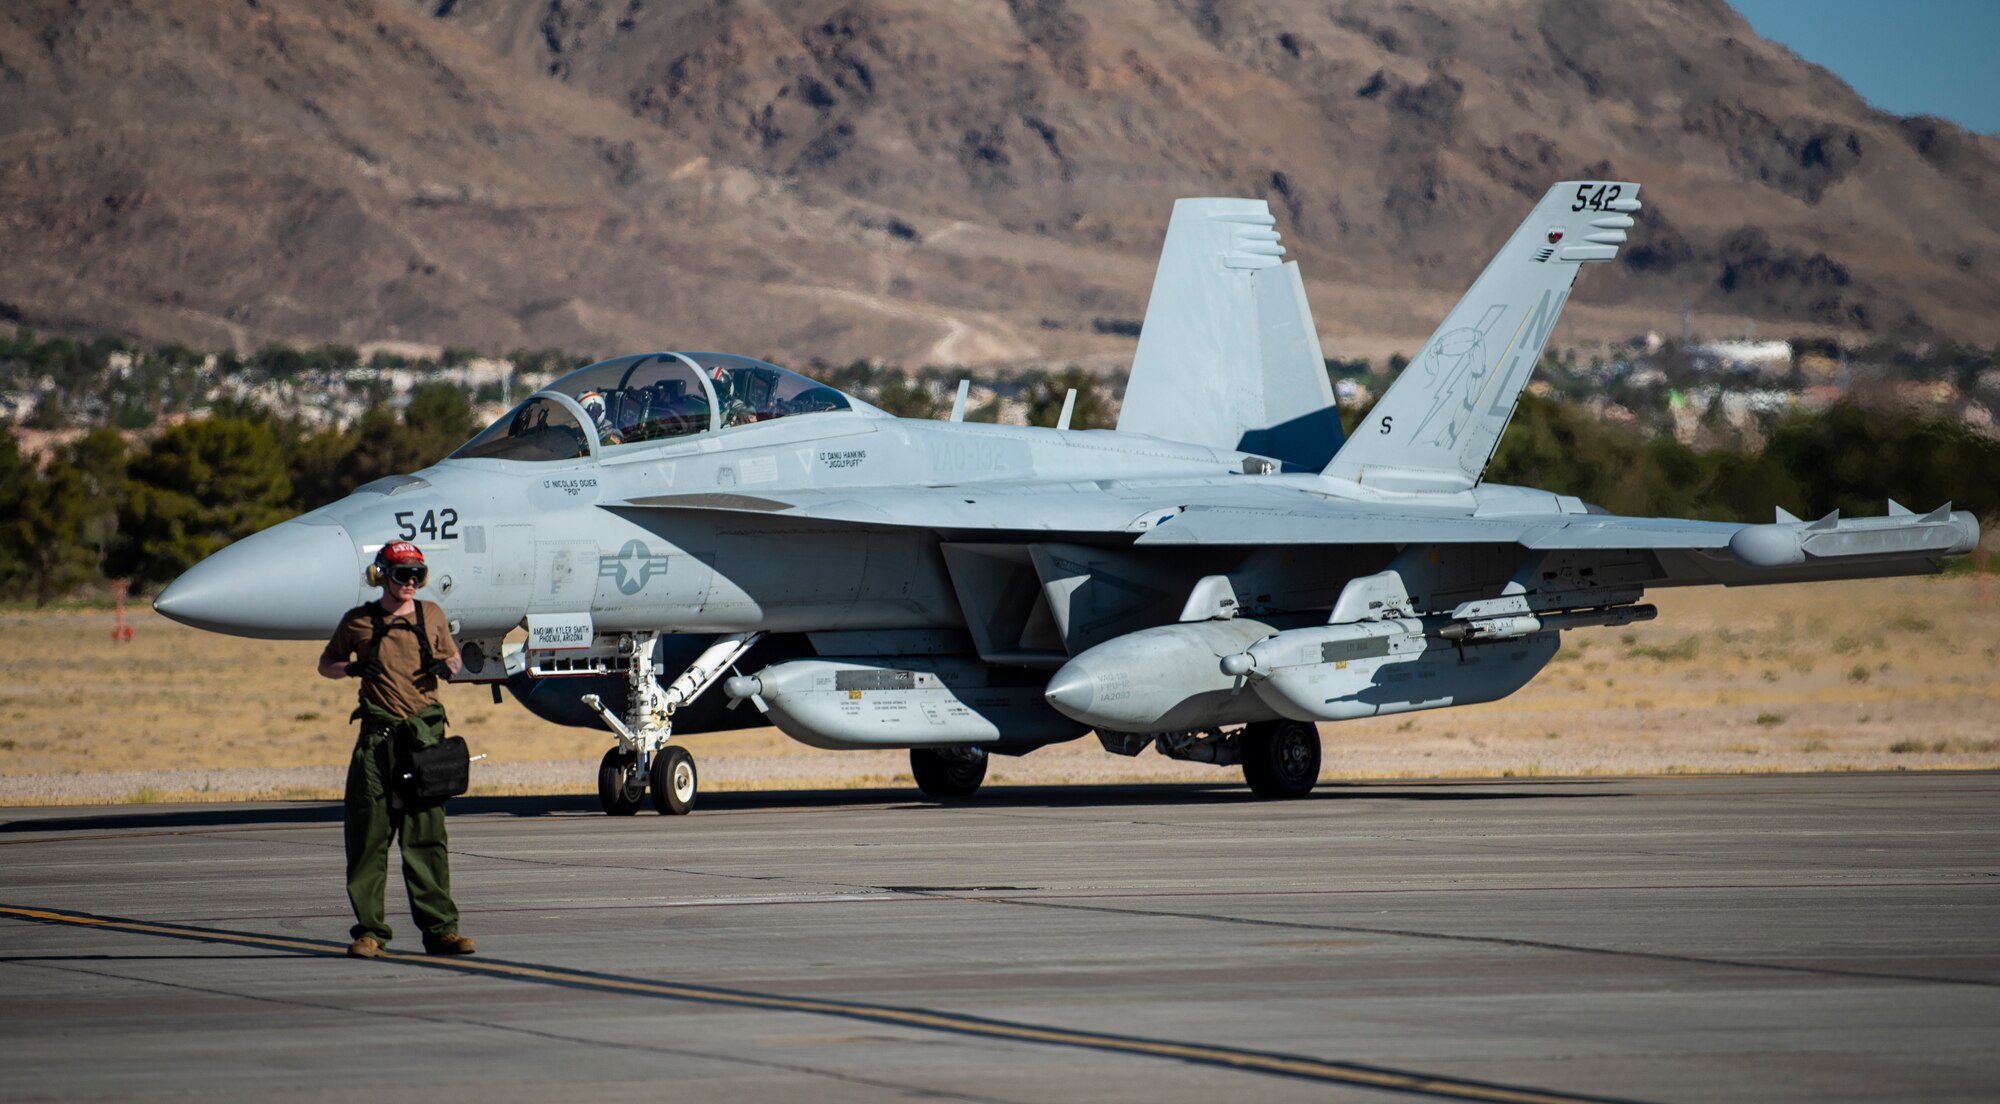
593	404
744	394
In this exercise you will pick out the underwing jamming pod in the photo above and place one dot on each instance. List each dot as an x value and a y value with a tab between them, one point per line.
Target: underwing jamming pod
905	701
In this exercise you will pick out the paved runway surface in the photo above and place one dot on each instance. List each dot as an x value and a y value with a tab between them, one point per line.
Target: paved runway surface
1744	938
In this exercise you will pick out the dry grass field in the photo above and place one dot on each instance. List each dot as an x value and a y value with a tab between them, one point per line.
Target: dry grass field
1897	674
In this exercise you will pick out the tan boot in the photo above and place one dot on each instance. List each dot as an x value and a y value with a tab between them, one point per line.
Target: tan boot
453	944
366	947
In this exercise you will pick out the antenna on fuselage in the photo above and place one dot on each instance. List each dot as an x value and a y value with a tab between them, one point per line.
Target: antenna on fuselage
1069	407
958	404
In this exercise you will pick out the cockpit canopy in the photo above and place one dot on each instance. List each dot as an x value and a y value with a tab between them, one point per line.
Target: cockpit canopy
648	397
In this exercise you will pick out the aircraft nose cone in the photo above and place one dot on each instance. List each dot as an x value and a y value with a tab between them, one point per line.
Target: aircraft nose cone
289	582
1071	691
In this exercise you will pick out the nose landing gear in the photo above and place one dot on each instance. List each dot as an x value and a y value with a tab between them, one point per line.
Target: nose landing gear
642	760
615	778
673	781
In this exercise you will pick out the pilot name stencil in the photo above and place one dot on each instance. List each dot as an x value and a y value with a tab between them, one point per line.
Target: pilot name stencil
570	487
844	459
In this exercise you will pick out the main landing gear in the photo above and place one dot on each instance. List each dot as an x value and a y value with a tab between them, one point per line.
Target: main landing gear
946	773
1280	759
642	760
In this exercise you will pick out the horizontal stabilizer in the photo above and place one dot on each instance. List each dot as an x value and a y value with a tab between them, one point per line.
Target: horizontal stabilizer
1438	424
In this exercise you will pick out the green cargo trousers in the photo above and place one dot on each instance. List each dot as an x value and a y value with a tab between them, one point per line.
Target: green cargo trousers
374	815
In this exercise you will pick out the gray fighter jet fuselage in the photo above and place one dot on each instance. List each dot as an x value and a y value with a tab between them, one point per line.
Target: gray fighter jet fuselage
1214	578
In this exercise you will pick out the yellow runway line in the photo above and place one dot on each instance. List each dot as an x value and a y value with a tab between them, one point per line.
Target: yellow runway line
1248	1061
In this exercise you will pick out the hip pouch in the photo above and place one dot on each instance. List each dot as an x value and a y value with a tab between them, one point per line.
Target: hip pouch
441	770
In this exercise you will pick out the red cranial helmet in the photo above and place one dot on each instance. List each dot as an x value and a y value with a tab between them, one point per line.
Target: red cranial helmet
398	554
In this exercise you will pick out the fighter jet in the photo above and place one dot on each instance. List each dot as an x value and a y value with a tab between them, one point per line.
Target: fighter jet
1214	579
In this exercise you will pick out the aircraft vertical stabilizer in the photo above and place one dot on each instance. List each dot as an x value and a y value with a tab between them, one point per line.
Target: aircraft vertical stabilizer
1438	424
1228	355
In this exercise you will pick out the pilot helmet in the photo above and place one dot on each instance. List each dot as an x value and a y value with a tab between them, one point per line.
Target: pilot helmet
593	405
395	554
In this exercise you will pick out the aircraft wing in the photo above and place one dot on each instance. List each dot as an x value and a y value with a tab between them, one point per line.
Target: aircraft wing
1246	514
1334	522
1267	514
1683	551
999	507
1224	514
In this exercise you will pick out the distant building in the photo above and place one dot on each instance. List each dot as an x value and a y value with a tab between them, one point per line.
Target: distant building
1649	342
1764	358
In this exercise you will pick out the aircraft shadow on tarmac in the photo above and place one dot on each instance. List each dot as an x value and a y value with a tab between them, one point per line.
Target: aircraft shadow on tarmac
1128	795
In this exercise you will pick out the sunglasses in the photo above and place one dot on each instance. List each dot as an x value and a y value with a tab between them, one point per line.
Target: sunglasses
409	574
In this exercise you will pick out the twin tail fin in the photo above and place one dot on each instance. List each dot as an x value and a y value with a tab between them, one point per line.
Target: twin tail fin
1228	356
1436	427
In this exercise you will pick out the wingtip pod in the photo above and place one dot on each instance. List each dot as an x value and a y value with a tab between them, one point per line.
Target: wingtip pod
1774	545
1942	532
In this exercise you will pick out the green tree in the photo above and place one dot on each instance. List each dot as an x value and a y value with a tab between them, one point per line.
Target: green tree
1851	459
1045	400
17	475
436	421
201	485
439	410
905	398
316	465
49	413
99	458
43	534
338	358
1744	487
1557	447
378	444
279	362
553	362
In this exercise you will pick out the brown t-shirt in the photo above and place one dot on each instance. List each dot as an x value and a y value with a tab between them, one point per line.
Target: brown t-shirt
402	688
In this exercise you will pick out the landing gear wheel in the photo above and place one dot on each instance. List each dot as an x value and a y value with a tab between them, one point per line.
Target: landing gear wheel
612	791
674	781
1280	758
948	773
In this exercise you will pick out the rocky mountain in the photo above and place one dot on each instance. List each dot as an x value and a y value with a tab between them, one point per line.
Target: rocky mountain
974	182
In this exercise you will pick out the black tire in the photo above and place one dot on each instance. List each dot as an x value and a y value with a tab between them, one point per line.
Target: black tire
1280	758
611	784
945	776
674	782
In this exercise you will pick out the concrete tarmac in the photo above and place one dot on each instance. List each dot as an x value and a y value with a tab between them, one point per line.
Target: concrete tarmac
1745	938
